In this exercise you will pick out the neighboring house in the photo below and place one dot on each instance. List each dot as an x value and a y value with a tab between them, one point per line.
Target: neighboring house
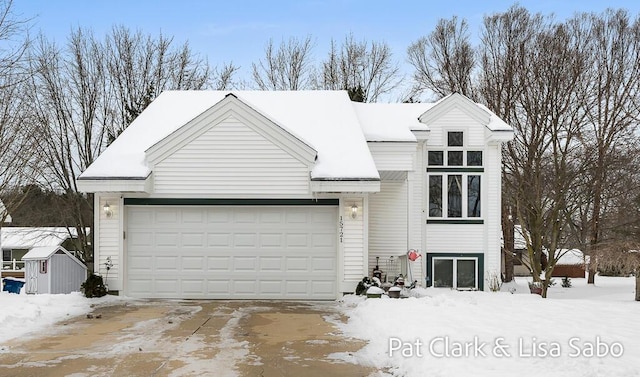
292	195
572	263
17	241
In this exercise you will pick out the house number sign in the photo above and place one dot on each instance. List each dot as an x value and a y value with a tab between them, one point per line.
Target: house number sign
341	230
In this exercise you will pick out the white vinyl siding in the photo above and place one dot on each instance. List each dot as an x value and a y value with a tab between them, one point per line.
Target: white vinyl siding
393	156
108	240
222	252
491	202
455	238
65	274
231	159
388	226
456	120
354	242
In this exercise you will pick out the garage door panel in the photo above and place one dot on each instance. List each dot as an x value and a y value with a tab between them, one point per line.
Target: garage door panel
166	216
297	240
245	216
244	240
270	287
270	240
219	217
193	264
166	263
192	286
327	240
141	264
244	287
227	252
271	217
244	264
321	288
219	239
193	216
141	238
268	264
218	264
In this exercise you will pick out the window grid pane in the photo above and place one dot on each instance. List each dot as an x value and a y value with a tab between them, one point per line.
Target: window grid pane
454	197
473	196
435	195
455	139
454	158
443	273
435	158
465	273
474	158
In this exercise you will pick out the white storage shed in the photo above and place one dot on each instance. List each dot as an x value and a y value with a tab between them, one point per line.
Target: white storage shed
53	269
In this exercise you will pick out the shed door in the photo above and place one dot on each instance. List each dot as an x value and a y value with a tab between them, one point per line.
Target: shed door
31	276
267	252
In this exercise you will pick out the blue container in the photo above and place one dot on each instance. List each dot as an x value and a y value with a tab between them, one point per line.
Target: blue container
12	286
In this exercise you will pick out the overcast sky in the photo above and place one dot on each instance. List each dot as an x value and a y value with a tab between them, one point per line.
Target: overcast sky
237	30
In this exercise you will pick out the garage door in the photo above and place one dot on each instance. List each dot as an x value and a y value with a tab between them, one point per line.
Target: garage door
231	252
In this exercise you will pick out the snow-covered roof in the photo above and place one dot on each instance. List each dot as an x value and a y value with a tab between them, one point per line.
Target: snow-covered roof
495	123
29	237
570	257
43	252
327	121
391	121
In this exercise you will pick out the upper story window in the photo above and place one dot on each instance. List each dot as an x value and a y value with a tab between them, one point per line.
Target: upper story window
454	180
455	154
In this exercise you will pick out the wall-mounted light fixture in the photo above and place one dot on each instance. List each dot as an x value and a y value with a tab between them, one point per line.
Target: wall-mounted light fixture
107	210
354	211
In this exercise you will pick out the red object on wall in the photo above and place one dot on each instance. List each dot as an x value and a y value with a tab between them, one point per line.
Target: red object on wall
413	255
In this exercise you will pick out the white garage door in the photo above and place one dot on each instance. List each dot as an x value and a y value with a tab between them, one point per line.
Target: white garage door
231	252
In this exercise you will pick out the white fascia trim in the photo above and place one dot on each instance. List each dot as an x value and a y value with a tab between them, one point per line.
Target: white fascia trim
344	186
115	185
500	136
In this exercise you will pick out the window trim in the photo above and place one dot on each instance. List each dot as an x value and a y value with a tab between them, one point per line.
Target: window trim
444	200
479	257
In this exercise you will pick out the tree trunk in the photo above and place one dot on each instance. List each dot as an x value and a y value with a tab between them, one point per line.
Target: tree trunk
591	275
637	286
508	235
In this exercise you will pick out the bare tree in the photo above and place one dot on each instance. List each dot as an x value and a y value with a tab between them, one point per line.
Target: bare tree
366	70
141	66
286	67
612	123
224	77
540	164
444	61
85	93
16	133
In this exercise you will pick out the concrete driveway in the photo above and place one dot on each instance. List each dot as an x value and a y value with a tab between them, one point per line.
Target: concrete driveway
189	338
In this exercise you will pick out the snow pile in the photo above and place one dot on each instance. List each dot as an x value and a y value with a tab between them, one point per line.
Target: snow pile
24	314
450	333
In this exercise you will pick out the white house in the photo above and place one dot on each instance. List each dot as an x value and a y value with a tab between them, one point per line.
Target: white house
292	195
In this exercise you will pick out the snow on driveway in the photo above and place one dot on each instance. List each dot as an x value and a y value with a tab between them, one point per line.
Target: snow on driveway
22	314
578	331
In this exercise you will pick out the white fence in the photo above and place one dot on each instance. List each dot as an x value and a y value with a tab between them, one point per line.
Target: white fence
14	265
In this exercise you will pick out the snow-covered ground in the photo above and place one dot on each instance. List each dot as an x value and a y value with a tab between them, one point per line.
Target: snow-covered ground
578	331
22	314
